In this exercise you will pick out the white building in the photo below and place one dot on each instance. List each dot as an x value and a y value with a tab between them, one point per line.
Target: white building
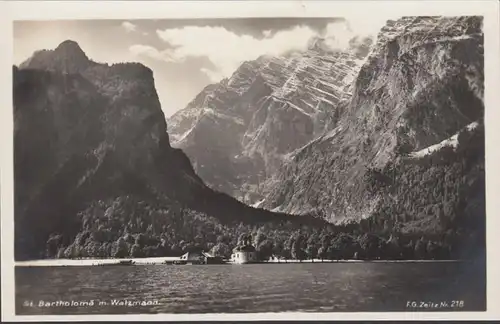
244	254
192	258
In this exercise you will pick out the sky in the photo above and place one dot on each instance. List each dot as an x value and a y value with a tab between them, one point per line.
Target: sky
187	55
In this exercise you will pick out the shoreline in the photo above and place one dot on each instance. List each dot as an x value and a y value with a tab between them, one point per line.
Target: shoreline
161	260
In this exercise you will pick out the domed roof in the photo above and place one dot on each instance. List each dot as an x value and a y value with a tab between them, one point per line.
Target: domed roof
244	248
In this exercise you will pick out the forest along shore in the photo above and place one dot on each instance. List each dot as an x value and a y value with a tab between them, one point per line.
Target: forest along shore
160	261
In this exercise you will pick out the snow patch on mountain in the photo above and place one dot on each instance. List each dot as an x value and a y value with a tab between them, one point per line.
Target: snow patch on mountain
449	142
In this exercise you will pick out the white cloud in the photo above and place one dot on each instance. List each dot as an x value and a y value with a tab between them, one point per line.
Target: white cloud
214	76
226	50
267	33
129	27
338	34
149	51
370	24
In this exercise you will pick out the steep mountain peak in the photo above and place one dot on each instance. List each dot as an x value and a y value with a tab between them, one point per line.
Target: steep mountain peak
316	44
267	108
96	133
67	57
70	47
421	83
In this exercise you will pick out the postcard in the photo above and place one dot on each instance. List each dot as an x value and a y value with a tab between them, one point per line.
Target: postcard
250	160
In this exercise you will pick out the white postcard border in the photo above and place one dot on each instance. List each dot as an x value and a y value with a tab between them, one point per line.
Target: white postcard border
128	10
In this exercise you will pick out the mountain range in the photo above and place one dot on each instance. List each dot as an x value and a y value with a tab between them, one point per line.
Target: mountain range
238	132
304	142
87	135
422	84
385	136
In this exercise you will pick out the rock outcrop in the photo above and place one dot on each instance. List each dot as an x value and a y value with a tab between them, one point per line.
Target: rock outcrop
238	132
86	132
420	86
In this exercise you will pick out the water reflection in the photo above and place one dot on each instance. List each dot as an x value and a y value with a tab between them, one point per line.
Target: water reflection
250	288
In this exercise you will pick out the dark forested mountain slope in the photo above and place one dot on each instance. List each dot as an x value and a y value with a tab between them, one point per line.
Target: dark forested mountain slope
89	134
394	158
421	85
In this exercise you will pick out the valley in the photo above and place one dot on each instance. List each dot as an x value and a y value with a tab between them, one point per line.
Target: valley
376	150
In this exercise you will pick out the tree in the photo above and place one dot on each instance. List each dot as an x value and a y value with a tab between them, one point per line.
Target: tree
322	252
343	245
332	253
278	249
68	252
258	238
265	249
92	249
403	146
222	239
209	245
383	250
393	248
53	244
187	247
81	238
369	244
336	249
244	239
289	243
136	251
286	253
120	249
311	251
175	249
356	249
432	250
129	238
409	251
73	251
221	249
60	253
140	240
420	249
297	248
100	234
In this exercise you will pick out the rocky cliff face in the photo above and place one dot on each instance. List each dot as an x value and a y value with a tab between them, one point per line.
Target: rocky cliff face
238	132
421	85
85	132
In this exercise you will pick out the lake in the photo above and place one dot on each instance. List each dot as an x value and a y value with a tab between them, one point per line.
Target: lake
307	287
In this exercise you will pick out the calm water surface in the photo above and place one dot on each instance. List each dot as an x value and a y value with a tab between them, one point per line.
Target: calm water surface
324	287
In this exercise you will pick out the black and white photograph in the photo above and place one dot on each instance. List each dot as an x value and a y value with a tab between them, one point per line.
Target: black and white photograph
249	165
